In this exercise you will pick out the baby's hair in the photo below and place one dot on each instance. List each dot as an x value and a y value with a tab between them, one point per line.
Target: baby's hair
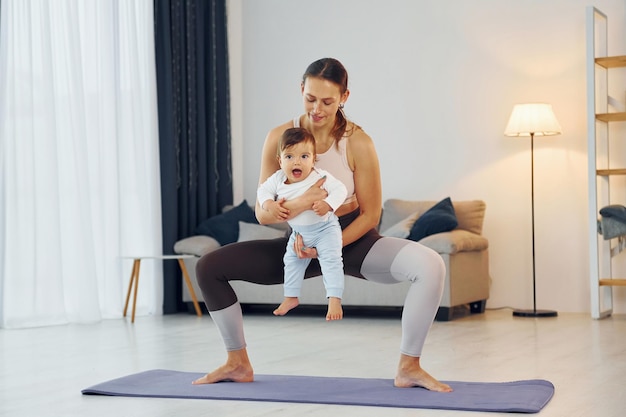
294	136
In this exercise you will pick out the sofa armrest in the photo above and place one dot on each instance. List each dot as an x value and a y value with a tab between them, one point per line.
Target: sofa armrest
196	245
458	240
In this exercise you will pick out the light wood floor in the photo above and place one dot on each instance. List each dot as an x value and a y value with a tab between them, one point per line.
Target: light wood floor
43	370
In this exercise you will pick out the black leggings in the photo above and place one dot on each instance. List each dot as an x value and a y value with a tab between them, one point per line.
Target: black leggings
261	262
386	260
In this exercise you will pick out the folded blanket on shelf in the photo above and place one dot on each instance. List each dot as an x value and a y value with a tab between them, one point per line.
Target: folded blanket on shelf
613	221
616	211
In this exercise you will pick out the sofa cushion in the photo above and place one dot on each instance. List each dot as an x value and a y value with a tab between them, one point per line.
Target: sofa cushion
402	229
251	231
196	245
454	241
470	214
225	227
439	218
396	210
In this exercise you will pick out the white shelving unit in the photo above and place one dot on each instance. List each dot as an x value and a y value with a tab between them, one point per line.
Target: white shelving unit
600	118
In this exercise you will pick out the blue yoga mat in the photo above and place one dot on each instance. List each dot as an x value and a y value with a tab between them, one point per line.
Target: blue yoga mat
528	396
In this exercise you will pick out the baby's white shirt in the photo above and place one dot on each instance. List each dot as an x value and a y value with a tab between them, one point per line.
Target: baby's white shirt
275	188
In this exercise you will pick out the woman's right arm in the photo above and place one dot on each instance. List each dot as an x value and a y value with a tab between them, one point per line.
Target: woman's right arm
269	165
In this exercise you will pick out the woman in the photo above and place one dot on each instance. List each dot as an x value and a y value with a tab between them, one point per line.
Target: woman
348	153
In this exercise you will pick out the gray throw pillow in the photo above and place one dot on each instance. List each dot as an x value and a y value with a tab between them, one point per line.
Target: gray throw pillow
402	229
251	231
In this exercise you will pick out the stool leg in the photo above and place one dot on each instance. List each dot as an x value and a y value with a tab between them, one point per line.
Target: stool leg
130	286
183	268
137	261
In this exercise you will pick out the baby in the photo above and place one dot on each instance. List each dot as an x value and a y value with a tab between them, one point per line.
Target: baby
319	227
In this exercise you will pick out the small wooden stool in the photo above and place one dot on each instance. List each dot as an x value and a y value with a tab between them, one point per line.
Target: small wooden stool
134	280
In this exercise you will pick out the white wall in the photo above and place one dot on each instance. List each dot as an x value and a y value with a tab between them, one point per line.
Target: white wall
433	82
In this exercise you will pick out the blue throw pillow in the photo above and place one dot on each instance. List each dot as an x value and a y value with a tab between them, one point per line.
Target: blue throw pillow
225	227
439	218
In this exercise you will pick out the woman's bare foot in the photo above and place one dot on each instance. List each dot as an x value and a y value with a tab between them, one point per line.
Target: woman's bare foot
236	369
335	312
288	303
411	374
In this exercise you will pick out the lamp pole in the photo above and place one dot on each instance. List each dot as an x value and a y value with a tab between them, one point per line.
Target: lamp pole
533	119
532	214
534	312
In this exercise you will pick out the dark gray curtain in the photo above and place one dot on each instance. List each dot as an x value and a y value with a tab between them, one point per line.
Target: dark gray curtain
194	123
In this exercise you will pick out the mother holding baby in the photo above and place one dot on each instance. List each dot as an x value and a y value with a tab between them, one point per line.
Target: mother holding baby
348	153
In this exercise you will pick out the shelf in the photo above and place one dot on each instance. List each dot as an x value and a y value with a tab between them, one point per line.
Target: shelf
612	61
613	282
611	117
600	73
607	172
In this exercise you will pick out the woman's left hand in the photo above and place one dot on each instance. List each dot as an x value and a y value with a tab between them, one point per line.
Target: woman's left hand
302	251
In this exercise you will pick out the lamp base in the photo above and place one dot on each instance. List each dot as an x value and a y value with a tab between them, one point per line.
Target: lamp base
534	313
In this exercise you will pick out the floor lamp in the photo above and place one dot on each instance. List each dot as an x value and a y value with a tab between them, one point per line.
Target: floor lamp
533	119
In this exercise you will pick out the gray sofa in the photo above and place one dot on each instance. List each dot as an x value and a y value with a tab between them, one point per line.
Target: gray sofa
463	249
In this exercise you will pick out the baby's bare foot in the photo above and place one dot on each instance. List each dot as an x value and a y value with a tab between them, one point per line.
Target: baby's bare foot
335	312
289	303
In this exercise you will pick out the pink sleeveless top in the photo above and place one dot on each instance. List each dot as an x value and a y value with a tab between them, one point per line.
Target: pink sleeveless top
335	161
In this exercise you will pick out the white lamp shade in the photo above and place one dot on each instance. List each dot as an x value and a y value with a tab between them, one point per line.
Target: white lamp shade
537	119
